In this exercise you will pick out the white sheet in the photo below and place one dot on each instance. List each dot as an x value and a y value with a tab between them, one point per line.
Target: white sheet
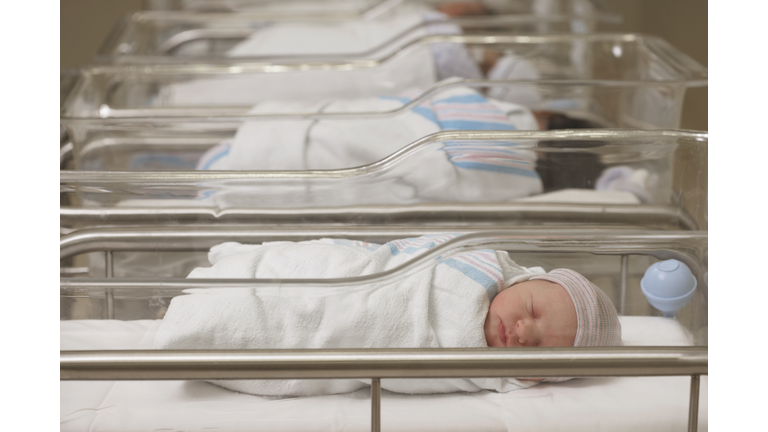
626	403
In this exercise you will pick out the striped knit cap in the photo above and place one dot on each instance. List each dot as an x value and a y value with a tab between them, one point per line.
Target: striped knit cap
596	317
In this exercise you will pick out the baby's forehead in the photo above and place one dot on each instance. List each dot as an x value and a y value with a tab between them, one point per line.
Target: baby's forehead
539	286
546	294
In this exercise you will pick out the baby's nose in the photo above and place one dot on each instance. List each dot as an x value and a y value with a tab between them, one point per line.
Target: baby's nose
525	332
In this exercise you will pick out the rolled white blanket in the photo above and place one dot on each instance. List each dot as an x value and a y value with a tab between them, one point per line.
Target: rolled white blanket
444	305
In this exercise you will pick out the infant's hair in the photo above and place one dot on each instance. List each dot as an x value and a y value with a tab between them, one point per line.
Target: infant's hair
596	318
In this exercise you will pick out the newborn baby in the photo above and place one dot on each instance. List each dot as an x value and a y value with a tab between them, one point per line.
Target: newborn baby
471	299
561	308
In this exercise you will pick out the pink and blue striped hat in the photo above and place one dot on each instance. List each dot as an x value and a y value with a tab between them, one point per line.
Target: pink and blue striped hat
597	320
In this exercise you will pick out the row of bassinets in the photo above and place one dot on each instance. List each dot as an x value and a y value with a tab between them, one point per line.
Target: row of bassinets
254	121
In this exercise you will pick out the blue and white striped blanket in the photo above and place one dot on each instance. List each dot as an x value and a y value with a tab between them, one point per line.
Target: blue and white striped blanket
444	305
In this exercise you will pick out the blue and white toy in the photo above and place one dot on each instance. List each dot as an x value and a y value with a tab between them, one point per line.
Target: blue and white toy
669	286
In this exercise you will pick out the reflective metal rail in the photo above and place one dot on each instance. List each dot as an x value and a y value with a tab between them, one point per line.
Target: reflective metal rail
380	364
409	219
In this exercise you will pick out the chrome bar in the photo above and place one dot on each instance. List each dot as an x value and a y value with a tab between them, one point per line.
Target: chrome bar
73	270
623	284
693	409
109	270
461	216
376	405
381	363
108	264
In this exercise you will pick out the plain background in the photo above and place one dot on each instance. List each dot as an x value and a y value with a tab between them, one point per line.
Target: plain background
86	23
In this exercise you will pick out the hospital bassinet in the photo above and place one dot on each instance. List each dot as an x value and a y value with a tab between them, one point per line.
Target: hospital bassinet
105	315
609	204
600	80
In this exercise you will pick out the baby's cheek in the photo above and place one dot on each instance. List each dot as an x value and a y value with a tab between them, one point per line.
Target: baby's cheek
491	337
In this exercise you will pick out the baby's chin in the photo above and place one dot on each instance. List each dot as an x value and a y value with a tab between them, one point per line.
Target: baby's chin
493	344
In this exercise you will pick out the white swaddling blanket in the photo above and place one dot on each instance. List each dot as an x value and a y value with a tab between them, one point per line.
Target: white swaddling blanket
450	171
413	67
338	144
442	306
343	37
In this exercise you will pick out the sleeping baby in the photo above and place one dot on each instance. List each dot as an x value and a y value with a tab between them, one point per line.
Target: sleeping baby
472	299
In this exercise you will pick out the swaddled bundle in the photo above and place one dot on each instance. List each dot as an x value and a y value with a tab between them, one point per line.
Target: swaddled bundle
458	171
442	306
338	144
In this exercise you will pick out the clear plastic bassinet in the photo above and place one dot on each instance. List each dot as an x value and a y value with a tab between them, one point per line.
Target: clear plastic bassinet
108	325
174	38
625	81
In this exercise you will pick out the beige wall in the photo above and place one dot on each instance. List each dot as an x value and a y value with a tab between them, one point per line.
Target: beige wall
85	24
683	23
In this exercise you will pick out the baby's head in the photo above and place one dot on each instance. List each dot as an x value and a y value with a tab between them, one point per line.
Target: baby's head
561	308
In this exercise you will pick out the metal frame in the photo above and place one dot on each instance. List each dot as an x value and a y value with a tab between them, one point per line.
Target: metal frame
370	219
378	364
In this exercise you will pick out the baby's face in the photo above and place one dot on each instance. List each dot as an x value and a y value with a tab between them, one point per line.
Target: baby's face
534	313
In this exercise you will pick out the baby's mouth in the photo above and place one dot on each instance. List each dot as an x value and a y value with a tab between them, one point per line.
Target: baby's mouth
502	331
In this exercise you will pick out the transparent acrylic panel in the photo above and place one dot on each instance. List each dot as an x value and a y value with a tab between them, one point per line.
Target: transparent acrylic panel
232	89
612	262
151	38
336	140
601	81
653	179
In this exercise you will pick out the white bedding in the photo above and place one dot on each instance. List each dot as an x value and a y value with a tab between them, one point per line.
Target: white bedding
624	403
